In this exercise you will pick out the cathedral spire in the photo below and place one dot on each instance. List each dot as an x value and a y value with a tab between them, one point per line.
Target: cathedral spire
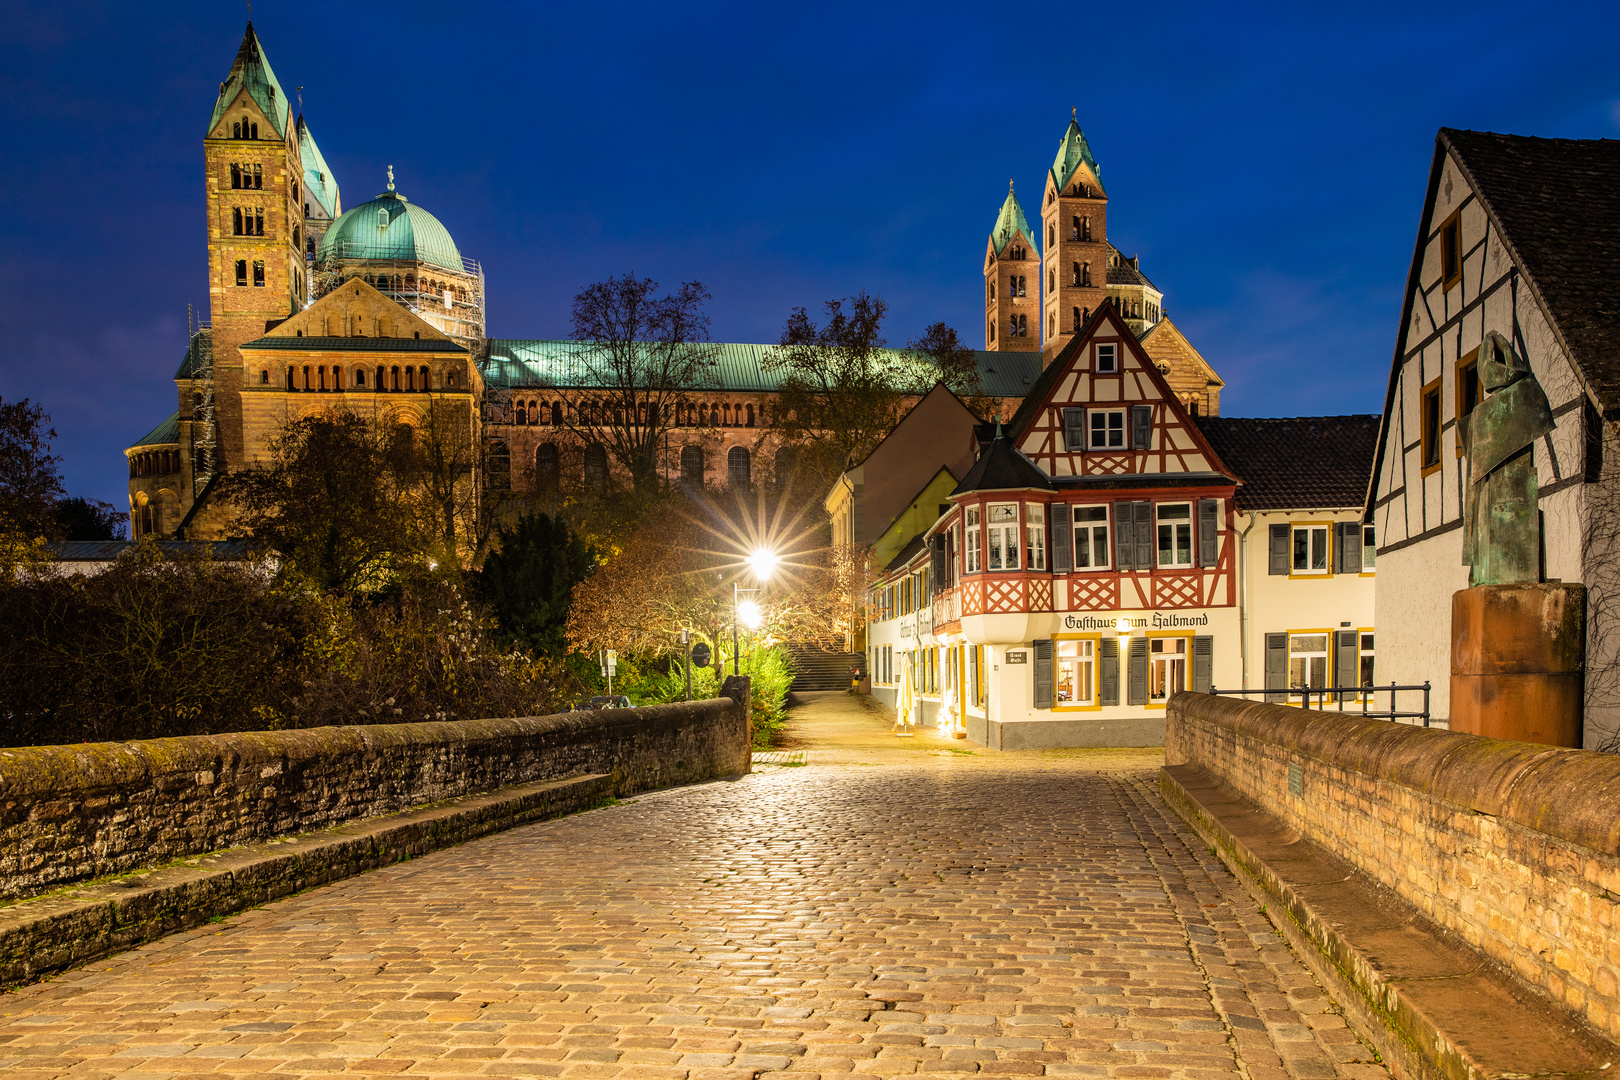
1073	154
250	72
1010	224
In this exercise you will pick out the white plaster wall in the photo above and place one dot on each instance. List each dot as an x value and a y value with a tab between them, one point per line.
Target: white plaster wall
1413	604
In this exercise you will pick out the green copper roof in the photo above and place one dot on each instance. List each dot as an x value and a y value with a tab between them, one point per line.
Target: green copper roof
164	434
391	227
1011	223
318	178
517	364
252	70
200	349
1073	150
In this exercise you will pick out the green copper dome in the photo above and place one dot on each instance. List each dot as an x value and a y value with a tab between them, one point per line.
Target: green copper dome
390	227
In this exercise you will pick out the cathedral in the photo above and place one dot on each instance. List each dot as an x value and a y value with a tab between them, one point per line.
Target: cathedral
376	310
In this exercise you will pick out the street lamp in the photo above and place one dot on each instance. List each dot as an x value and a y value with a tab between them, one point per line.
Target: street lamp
747	612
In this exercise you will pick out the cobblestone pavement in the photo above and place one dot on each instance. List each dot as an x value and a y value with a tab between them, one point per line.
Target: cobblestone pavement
887	908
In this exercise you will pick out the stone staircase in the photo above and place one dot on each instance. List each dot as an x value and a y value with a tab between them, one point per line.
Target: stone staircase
818	669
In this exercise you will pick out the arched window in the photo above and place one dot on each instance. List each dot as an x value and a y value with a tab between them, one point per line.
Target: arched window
427	378
1051	281
547	470
394	371
306	376
381	382
320	377
726	412
556	413
258	170
737	467
520	416
992	331
1012	327
1051	236
1077	322
236	130
291	381
500	466
1085	273
750	416
1074	271
692	464
1085	314
1051	325
359	378
295	236
714	416
236	221
1023	326
596	466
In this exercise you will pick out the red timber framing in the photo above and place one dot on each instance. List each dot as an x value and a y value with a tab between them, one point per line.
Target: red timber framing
1161	481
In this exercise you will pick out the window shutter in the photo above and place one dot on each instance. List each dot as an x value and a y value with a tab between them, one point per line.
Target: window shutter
1138	689
936	551
1277	666
1043	673
1208	537
1141	427
1074	429
1108	672
1144	535
1345	656
1279	550
1062	537
1349	547
1203	664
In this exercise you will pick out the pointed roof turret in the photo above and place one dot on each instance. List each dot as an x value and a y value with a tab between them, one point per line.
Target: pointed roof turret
318	178
1074	151
252	71
1010	223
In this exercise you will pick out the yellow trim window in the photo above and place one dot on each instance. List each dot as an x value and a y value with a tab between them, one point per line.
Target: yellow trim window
1307	660
1167	667
1077	672
1310	551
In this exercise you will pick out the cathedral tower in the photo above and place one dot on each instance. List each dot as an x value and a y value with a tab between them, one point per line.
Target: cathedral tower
1074	215
1012	270
256	271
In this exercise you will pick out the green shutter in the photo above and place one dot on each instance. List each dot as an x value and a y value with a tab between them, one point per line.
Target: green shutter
1074	429
1108	672
1043	673
1141	427
1203	664
1348	543
1277	665
1208	531
1138	672
1062	537
1144	535
1346	656
1279	550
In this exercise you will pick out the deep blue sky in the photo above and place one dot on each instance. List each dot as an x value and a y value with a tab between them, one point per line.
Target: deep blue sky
1268	163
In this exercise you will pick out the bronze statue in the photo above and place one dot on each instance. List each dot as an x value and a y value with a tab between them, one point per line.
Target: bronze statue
1501	516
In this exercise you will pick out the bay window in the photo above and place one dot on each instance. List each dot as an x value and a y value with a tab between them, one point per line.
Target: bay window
1001	539
1034	536
972	538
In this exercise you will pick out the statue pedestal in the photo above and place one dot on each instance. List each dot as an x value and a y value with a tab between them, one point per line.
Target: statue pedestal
1517	656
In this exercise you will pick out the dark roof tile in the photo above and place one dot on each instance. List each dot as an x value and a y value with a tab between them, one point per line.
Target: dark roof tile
1298	463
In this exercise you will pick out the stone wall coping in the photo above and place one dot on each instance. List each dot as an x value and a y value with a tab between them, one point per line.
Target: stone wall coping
33	773
1571	795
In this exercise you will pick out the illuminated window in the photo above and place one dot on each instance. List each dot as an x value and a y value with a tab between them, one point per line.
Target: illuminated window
1076	672
1167	667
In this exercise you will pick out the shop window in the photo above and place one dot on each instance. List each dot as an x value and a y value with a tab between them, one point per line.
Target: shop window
1034	536
1091	548
1167	668
1076	672
1307	661
973	540
1310	550
1107	358
1001	541
1175	534
1106	429
1451	251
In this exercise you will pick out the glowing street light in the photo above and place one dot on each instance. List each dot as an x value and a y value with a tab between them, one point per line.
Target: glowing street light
750	615
748	612
763	561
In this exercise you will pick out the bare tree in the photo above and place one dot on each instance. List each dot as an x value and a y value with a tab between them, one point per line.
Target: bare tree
640	357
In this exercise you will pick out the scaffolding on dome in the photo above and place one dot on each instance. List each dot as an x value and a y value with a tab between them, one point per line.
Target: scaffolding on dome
456	306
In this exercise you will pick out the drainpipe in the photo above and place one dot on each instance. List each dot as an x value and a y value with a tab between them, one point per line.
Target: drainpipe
1243	597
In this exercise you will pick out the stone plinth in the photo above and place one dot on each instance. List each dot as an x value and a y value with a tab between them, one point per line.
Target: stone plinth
1517	657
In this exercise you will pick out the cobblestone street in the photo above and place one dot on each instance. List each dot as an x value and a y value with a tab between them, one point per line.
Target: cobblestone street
867	906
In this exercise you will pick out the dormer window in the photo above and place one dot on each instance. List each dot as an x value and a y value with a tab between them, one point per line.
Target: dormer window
382	219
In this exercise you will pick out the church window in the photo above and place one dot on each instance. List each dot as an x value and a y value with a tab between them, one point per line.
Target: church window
360	378
295	191
309	248
596	466
410	378
546	465
264	377
1051	281
450	380
427	383
382	381
692	464
292	382
320	377
395	373
1077	323
382	218
258	176
258	221
241	271
236	175
236	221
236	130
727	410
1085	273
296	233
520	416
750	416
1051	234
1012	327
738	471
306	376
1051	325
992	290
258	273
1022	287
992	331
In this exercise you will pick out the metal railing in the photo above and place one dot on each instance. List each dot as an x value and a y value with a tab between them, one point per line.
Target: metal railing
1363	695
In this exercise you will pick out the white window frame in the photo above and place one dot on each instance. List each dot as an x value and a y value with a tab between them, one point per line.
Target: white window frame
1168	671
1089	529
1366	652
1093	442
1034	536
1081	662
1001	537
1180	528
1107	358
1304	657
972	550
1318	549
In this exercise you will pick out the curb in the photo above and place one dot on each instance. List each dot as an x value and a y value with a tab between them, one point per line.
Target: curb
85	922
1434	1007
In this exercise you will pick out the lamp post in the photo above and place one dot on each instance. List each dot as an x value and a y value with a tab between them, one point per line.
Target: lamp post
763	562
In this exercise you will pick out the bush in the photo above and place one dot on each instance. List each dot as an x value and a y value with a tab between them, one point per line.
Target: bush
159	646
663	679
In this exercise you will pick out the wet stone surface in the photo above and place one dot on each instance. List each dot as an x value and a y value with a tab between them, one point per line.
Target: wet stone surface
883	909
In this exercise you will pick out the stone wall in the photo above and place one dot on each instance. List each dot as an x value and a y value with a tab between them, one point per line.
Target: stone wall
1512	846
73	813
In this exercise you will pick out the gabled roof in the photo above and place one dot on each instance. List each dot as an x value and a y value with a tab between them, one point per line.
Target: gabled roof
1073	151
163	435
1556	203
199	354
251	70
1127	271
1003	468
1298	463
1010	223
566	364
318	178
913	548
